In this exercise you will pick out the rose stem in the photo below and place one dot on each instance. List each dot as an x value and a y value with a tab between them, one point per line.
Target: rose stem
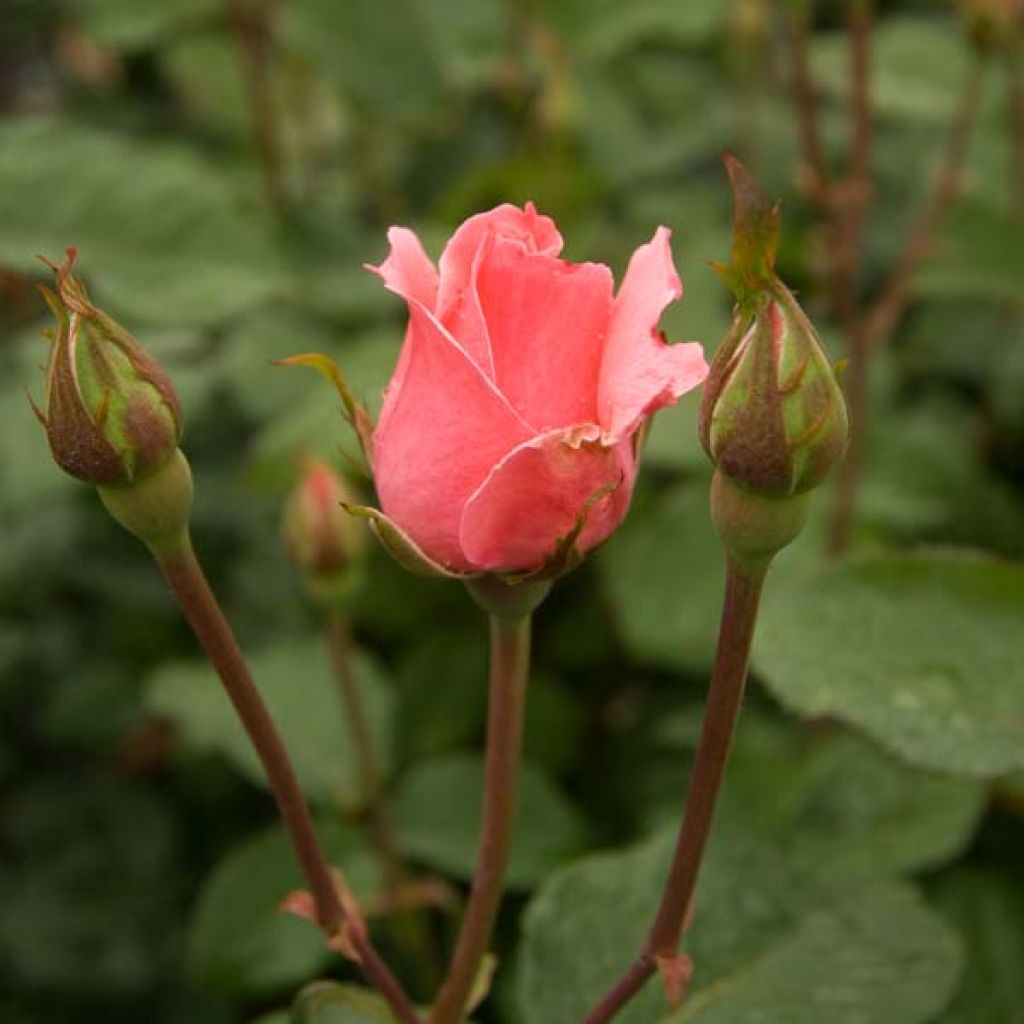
1015	126
725	695
510	659
852	213
814	169
252	25
199	605
339	644
878	321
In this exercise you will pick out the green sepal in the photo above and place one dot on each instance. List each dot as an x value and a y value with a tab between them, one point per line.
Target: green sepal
750	271
112	415
402	548
355	413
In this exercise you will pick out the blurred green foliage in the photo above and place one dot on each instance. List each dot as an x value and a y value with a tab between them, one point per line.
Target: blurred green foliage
225	169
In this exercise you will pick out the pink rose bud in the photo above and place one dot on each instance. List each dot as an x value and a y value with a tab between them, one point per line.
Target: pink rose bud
321	538
508	438
773	418
112	415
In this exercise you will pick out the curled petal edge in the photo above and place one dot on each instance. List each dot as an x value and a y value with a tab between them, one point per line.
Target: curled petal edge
565	555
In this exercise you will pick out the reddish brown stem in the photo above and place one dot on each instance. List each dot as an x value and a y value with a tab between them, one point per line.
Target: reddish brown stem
1015	102
814	172
251	23
204	615
510	661
874	327
857	189
887	308
340	646
725	696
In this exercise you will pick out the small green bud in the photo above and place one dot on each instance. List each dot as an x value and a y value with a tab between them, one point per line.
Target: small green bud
772	418
322	539
112	415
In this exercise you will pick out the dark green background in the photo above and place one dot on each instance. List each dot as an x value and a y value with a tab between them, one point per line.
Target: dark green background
867	861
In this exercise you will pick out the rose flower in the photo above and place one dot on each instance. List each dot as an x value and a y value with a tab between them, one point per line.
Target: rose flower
511	421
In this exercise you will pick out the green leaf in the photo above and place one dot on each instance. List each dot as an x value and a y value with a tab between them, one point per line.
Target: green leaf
296	681
877	955
437	818
602	28
29	478
847	801
382	57
663	574
163	236
89	887
923	652
918	66
327	1003
978	254
926	478
206	72
833	796
275	1017
555	730
637	123
988	909
442	701
469	37
134	24
240	942
756	907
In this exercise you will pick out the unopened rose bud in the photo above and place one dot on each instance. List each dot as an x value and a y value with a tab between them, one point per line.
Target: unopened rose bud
321	538
112	416
773	419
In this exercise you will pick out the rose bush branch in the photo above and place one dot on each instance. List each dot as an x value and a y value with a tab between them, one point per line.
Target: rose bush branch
885	310
339	645
327	546
725	696
252	25
773	422
844	206
872	327
113	420
814	173
857	189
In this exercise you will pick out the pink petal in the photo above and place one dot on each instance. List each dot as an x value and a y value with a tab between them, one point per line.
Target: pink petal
536	232
442	428
408	271
546	320
640	373
534	495
465	319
